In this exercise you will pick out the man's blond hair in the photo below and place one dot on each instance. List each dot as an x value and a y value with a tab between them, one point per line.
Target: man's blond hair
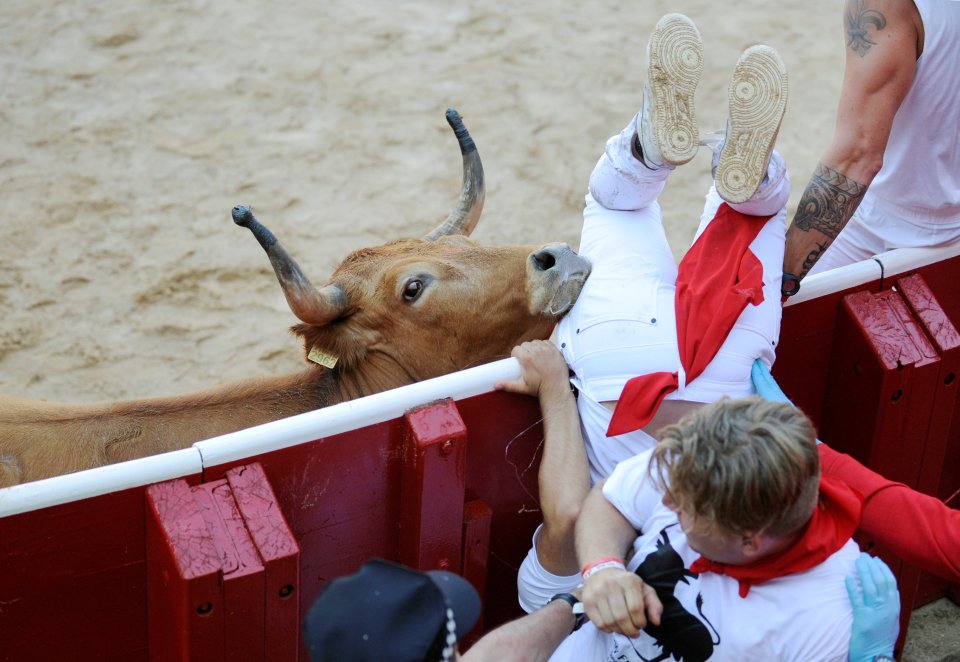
748	466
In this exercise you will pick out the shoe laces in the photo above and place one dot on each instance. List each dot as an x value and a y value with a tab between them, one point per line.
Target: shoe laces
714	140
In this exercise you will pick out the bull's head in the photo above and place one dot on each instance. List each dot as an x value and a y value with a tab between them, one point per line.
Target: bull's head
417	308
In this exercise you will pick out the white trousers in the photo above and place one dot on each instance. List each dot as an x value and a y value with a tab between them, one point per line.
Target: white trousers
624	322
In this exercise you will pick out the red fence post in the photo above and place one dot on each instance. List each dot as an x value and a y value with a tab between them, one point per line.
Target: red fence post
222	567
883	370
184	597
280	555
432	488
477	519
879	407
937	468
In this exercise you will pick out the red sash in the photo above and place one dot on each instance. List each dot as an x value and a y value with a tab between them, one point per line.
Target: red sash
833	523
716	280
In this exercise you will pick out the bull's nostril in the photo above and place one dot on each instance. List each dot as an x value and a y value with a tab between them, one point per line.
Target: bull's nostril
544	260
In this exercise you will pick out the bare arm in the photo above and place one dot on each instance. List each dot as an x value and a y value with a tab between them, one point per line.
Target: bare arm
615	600
884	38
529	639
564	478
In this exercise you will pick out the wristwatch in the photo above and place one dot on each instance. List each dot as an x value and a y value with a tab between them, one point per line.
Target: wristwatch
575	606
790	284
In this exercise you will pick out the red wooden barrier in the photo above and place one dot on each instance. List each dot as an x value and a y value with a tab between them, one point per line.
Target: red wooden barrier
936	467
221	567
73	581
432	489
74	578
279	554
890	400
185	604
370	492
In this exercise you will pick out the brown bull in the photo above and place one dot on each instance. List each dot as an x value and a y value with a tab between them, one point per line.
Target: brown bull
389	316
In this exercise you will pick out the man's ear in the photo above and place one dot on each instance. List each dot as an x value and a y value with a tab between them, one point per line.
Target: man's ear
751	543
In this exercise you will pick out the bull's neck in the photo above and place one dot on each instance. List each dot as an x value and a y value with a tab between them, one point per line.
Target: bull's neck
377	372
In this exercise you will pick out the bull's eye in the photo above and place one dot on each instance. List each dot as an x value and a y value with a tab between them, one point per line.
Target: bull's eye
412	290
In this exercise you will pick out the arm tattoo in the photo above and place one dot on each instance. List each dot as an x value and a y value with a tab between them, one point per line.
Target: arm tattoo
857	19
828	202
812	257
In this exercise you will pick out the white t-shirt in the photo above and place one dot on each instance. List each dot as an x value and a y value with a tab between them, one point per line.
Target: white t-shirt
804	616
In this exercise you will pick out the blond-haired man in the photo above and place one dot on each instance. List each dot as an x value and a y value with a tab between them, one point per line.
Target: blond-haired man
723	542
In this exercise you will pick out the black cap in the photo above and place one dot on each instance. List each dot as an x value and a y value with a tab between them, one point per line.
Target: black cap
388	613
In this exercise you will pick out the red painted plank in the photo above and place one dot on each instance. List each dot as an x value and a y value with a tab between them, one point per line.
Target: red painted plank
937	467
477	517
432	488
242	573
883	370
185	614
280	555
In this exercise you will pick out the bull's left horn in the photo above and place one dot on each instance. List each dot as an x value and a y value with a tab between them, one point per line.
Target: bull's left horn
309	304
463	219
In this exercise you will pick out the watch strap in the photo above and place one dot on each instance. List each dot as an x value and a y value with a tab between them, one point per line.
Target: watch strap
575	606
789	284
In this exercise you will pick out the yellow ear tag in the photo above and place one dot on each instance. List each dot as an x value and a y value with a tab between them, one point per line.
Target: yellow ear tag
319	356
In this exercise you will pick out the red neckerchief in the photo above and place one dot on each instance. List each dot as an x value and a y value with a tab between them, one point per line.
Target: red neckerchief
716	280
834	520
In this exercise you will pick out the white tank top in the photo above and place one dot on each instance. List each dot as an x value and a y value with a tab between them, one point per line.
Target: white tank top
920	178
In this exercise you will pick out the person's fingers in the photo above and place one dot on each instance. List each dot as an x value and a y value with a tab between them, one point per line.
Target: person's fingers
853	591
628	623
654	608
636	608
890	581
606	602
513	386
884	580
605	619
867	584
767	387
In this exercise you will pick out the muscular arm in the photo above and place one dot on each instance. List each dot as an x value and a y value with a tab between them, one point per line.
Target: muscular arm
883	42
564	477
528	639
615	600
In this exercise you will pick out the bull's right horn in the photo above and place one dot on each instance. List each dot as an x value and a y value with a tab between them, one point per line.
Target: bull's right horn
463	219
309	304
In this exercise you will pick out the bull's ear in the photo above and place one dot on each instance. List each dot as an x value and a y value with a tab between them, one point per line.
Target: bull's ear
463	219
331	346
309	304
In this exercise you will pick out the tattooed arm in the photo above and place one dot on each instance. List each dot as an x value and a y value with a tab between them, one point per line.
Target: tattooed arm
884	38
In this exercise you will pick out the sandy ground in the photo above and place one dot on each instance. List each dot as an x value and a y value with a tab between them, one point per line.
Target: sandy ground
129	130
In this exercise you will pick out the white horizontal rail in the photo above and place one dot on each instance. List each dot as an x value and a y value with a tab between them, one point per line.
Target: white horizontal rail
264	438
102	480
886	265
900	260
354	414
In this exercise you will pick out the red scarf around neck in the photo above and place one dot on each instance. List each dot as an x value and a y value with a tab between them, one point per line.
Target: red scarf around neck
834	520
716	280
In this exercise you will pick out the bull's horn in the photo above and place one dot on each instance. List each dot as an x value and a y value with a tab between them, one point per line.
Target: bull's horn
464	218
309	304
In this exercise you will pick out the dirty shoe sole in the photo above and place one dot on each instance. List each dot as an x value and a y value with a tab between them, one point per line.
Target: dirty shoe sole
674	66
758	100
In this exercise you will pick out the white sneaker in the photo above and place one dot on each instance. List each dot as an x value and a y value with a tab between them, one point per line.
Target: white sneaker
667	131
758	101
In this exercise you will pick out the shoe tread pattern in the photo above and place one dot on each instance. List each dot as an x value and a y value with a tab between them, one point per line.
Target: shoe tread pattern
758	100
675	64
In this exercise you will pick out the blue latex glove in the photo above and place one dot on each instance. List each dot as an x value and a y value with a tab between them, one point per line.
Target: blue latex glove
766	385
876	610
